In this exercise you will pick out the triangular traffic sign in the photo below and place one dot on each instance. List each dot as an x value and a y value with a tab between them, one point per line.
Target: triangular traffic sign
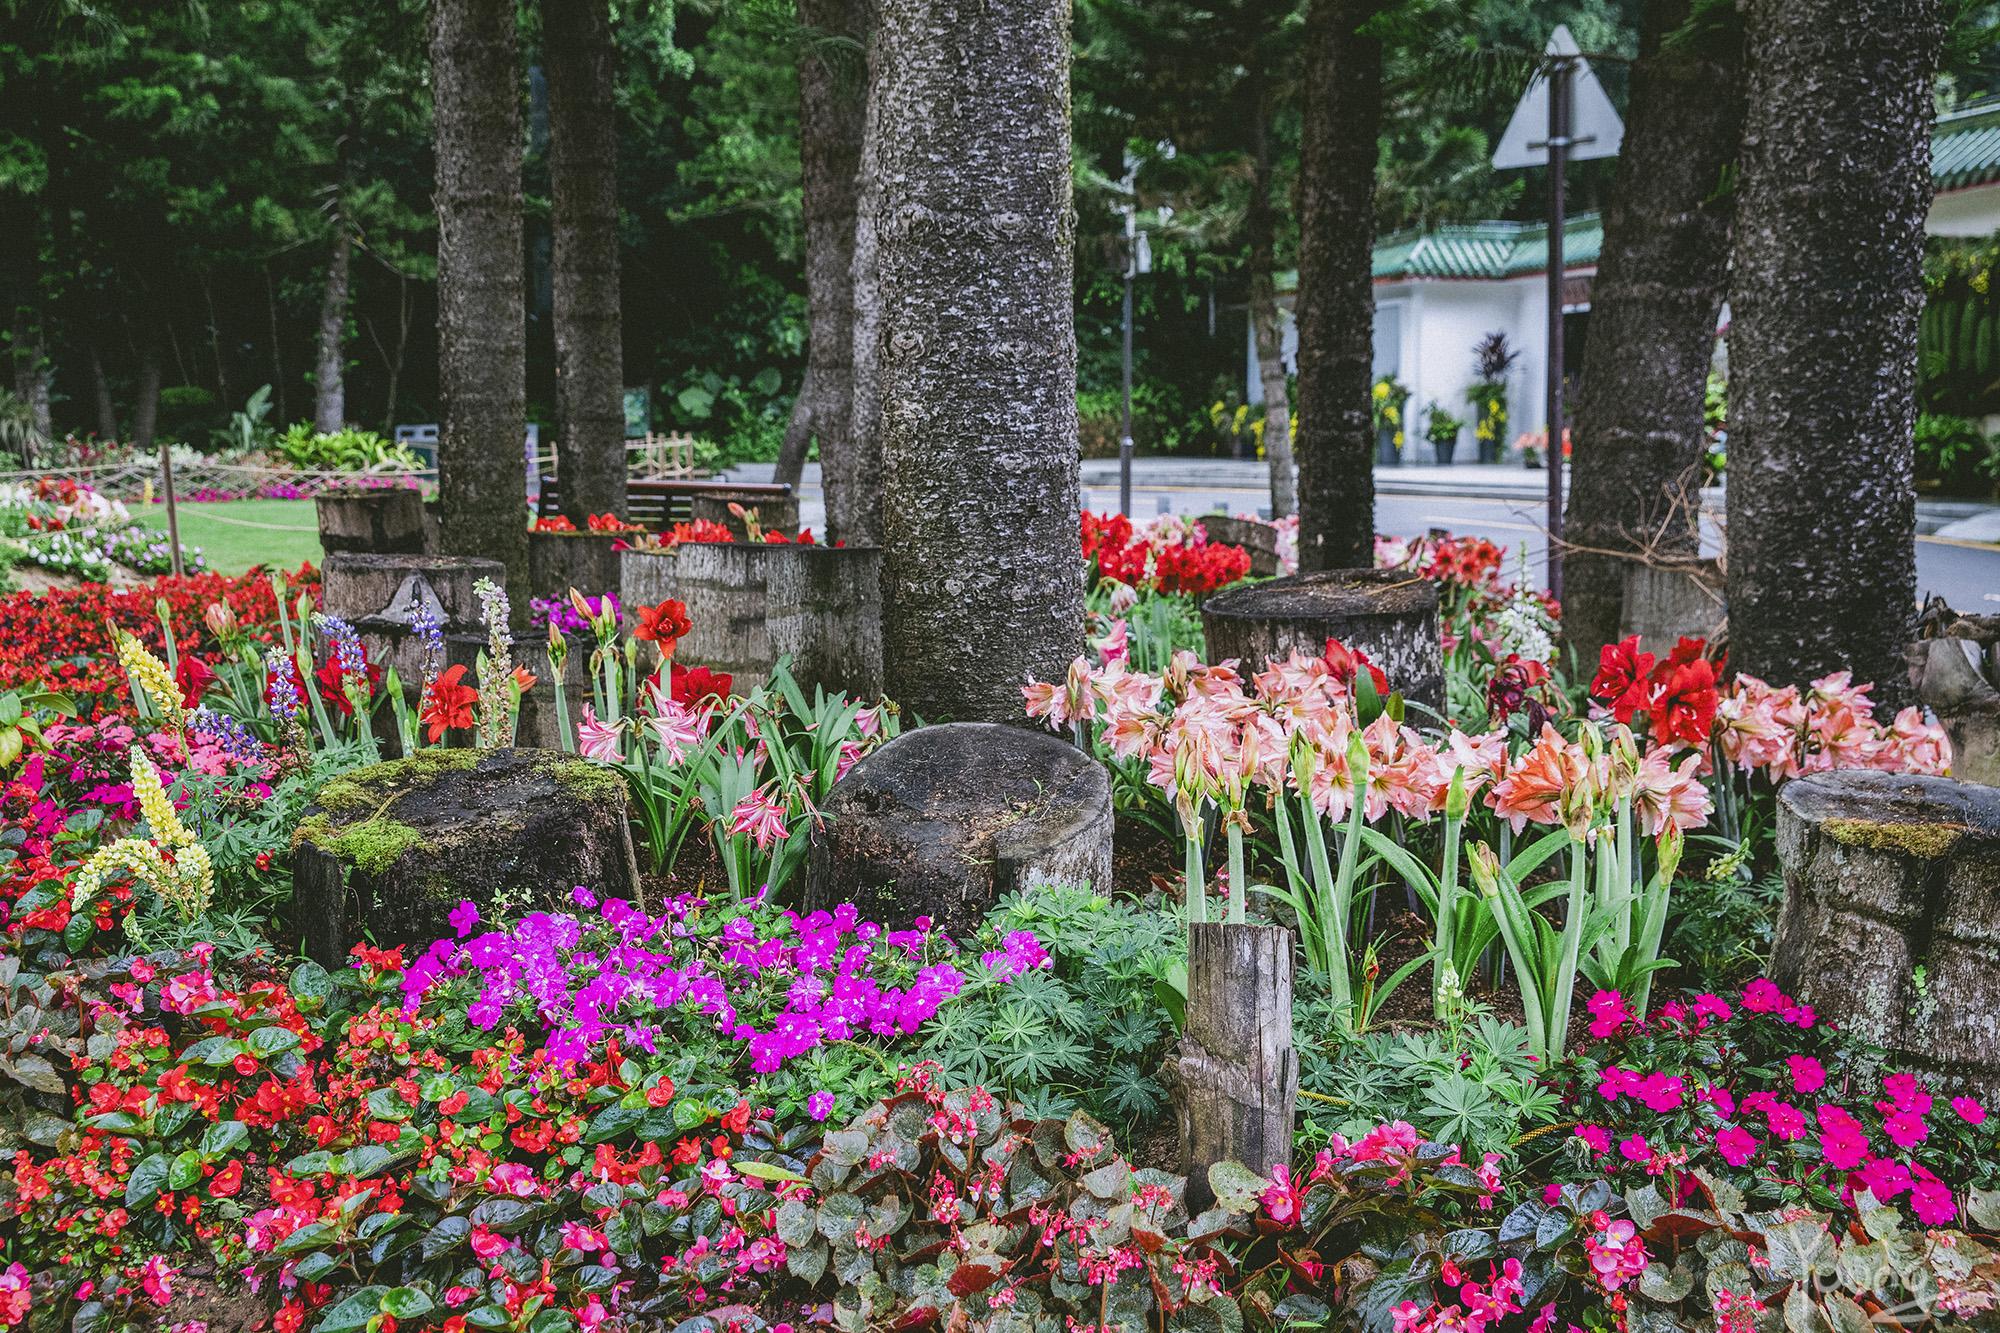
1595	129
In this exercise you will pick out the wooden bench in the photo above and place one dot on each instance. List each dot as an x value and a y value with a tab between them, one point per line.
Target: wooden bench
659	503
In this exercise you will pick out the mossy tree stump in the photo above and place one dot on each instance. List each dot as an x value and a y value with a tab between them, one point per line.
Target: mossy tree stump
944	819
386	852
1889	876
1391	615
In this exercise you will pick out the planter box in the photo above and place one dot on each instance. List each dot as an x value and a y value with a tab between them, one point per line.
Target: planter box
371	520
646	578
775	513
750	605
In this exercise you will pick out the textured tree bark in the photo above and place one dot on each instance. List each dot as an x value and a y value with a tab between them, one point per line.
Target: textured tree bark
1635	483
833	112
1336	301
1825	294
589	333
1886	876
1260	229
100	391
146	394
1235	1076
370	520
330	366
1390	616
852	477
977	355
482	333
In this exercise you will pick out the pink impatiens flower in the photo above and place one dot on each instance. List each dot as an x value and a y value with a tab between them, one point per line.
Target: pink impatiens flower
1736	1144
1969	1110
1808	1075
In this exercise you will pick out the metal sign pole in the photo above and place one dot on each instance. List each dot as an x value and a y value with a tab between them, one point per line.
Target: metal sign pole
1558	145
1125	420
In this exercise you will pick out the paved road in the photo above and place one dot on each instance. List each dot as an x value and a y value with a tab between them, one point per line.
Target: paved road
1966	573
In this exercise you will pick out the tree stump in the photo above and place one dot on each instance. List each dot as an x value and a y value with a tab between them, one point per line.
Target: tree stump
1259	538
751	604
386	852
1885	874
586	561
646	578
380	594
1390	615
1663	603
387	520
1235	1077
944	819
1955	676
775	513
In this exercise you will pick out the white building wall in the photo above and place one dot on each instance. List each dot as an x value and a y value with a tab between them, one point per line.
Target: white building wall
1974	212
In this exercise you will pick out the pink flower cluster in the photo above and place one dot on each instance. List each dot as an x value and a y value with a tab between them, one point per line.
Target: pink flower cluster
1207	735
1480	1305
1787	732
1741	1123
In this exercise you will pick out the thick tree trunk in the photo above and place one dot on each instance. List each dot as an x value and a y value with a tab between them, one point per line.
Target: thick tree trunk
1260	228
833	107
583	176
146	394
100	390
977	355
330	366
852	477
1636	479
31	369
482	335
1827	287
1336	301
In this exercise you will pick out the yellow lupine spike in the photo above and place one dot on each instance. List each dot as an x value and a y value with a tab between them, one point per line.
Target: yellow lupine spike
152	676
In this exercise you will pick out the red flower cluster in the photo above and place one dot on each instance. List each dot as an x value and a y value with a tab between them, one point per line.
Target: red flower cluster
1183	565
1472	562
1678	695
595	523
61	639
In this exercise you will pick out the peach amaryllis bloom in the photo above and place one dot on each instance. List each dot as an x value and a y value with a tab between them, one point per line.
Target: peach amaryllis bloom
1069	702
1918	746
1543	786
1757	727
1668	796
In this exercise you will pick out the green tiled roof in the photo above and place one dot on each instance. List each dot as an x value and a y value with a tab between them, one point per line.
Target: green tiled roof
1965	152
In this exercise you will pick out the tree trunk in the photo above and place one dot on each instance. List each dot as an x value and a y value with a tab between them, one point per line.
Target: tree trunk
31	370
1260	228
833	107
1827	287
1336	301
583	176
146	394
482	334
277	347
977	355
852	477
100	389
1636	479
330	367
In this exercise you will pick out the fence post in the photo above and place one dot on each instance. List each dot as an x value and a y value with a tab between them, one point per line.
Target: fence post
1235	1076
173	510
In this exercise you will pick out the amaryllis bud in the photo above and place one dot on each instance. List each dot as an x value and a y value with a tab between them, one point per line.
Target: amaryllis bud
580	604
1485	867
220	618
1457	801
1357	763
1671	843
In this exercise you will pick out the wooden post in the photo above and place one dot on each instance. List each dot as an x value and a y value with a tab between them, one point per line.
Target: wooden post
1235	1077
173	510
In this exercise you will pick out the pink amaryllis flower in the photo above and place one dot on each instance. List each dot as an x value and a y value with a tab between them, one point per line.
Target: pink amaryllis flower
1665	796
762	816
597	739
1548	785
1071	701
678	728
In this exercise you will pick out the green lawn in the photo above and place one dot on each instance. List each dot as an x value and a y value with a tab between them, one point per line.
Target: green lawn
237	534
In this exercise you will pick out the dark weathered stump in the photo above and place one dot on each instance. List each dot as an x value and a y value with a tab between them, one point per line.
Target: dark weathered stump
386	852
381	594
1955	678
944	819
751	604
1664	603
775	513
646	578
1886	874
387	520
1390	615
1259	538
586	561
1235	1078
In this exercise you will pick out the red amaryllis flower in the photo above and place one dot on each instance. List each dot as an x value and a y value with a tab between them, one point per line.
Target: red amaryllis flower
691	685
1345	662
448	706
1685	697
1512	687
663	624
193	676
333	684
1622	678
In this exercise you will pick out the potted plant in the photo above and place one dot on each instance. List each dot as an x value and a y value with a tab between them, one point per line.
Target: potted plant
1442	431
1386	401
1492	358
